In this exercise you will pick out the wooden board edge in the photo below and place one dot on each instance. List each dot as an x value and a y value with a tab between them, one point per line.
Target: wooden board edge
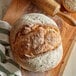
67	58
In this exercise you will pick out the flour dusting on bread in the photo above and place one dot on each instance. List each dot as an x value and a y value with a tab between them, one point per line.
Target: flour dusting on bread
36	42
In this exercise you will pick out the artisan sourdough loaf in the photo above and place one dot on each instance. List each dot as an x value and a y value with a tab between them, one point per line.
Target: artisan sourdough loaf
36	42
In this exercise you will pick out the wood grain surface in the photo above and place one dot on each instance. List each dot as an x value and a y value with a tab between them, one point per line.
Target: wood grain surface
68	32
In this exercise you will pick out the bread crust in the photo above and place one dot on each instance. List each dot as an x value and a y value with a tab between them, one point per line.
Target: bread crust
31	41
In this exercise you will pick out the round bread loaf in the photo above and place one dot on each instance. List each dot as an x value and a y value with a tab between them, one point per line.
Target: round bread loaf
36	42
70	5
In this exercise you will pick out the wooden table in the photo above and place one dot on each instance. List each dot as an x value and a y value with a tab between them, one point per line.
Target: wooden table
68	32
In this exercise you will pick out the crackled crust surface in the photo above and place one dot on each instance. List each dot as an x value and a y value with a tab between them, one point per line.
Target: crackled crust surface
32	41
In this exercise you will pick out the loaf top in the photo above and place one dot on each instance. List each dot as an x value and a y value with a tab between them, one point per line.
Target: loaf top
33	37
36	42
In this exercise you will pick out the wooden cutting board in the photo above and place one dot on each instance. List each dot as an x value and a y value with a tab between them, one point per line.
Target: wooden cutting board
68	32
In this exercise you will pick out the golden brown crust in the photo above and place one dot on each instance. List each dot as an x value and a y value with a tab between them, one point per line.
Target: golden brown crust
32	41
